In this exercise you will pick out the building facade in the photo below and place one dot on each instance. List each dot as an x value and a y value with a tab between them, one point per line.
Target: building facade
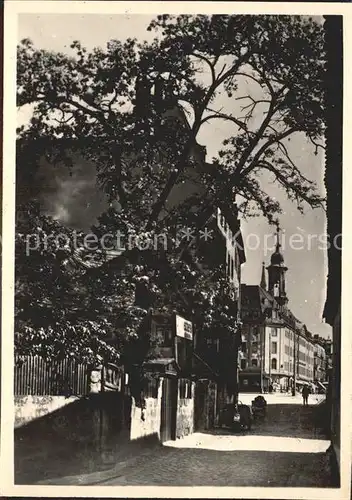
320	360
277	349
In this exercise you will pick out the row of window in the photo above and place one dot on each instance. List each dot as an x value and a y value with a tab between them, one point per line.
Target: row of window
254	362
288	367
288	350
255	347
302	370
305	358
288	334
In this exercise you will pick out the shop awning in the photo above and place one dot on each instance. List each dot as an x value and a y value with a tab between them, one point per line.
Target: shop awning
321	386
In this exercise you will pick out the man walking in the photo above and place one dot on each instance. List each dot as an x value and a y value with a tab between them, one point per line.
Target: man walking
305	395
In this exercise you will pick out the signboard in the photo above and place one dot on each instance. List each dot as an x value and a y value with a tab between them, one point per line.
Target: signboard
184	328
112	378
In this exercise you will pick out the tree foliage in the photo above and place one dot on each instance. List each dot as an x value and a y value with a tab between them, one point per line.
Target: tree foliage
136	110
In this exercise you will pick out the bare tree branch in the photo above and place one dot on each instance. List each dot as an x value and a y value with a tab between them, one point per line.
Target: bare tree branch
289	186
224	116
316	144
209	63
198	113
264	148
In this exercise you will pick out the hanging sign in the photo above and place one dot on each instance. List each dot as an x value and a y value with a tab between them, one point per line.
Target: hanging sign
184	328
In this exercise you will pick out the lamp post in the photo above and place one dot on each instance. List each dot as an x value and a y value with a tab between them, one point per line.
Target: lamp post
261	357
294	363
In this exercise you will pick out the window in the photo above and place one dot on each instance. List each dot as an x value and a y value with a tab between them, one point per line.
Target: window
287	350
185	388
274	364
151	388
243	364
228	265
231	267
273	332
274	348
244	347
254	362
255	347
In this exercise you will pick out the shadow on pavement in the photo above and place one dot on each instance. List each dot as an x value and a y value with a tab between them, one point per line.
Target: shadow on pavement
67	442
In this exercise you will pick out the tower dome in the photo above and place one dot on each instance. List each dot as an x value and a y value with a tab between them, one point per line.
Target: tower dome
277	257
276	271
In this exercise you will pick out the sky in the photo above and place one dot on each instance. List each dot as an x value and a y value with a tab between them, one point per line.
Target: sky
307	263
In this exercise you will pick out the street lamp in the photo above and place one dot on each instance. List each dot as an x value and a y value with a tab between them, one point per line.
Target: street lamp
294	363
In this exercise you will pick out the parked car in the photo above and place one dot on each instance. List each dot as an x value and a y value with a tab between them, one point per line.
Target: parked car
236	417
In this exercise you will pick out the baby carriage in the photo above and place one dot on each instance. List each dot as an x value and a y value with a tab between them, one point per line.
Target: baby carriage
259	407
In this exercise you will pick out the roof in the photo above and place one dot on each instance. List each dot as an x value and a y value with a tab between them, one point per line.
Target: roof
256	299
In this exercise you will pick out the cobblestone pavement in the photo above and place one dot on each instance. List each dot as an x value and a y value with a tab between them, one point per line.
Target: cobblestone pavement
283	450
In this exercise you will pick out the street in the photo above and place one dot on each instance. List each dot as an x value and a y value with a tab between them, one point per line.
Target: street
286	449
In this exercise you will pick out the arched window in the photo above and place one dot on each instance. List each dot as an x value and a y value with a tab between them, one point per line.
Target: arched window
274	364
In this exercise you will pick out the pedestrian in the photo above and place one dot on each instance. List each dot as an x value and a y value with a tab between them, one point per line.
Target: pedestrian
305	394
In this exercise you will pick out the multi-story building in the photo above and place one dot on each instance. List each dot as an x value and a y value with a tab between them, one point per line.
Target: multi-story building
218	351
320	360
276	347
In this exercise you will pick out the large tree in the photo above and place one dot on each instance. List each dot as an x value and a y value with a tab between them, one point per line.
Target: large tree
136	109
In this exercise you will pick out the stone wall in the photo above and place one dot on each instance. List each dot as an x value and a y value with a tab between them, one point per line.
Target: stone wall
146	422
185	415
28	408
71	438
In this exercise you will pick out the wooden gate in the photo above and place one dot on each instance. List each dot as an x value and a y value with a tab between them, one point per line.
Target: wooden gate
168	410
200	405
205	405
